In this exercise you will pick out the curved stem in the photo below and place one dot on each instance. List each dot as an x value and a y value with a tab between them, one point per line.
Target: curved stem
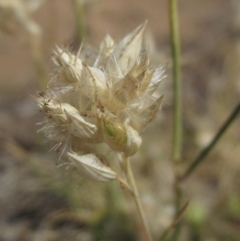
137	200
174	223
210	146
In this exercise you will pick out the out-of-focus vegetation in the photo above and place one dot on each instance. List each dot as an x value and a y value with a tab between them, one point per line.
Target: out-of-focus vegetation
40	202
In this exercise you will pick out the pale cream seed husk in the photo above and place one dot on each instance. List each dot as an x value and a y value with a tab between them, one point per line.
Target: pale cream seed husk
134	141
78	126
92	167
120	137
127	50
69	66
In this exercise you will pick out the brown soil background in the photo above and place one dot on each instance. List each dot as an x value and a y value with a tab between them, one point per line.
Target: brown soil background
39	203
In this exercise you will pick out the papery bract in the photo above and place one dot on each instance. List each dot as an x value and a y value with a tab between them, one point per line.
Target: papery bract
92	167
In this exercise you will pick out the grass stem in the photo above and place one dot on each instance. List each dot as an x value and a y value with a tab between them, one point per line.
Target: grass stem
79	15
137	200
175	44
214	141
177	119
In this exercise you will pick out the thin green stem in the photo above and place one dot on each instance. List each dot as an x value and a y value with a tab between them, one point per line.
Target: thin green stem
210	146
79	15
177	120
178	193
137	200
175	44
176	232
174	223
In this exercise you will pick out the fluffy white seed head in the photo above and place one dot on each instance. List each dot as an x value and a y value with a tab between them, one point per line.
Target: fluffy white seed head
101	103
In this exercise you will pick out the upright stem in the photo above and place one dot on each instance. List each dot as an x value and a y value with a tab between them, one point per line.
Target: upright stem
175	43
177	125
79	15
137	200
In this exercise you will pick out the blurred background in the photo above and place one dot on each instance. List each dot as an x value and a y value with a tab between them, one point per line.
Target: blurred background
39	202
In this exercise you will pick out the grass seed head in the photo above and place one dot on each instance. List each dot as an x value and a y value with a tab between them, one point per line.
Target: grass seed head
107	101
